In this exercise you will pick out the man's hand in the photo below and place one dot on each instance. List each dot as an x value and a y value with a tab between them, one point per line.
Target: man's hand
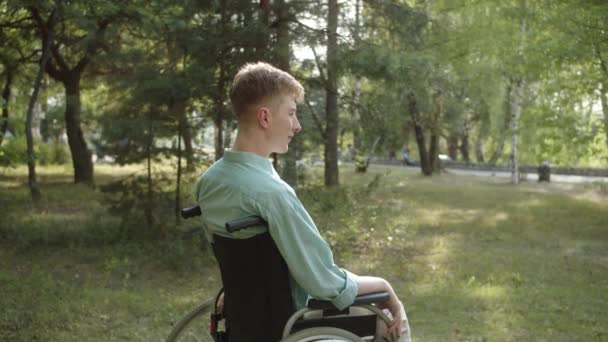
396	308
374	284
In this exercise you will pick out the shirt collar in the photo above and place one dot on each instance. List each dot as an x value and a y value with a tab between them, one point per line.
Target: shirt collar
248	158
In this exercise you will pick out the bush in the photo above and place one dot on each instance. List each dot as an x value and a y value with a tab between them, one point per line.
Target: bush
13	152
52	153
140	218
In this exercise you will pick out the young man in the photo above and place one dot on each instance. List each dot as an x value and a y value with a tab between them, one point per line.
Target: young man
244	183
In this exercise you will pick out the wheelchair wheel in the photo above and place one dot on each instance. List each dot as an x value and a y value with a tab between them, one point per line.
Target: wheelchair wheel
194	326
322	334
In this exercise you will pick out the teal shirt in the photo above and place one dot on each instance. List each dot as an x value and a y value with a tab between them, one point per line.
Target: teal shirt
243	184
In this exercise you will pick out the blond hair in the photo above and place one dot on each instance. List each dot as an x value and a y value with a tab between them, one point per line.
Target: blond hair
258	81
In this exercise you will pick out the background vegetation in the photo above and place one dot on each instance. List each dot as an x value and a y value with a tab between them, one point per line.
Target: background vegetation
473	260
111	110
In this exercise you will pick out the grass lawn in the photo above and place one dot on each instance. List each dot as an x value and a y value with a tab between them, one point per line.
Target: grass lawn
473	259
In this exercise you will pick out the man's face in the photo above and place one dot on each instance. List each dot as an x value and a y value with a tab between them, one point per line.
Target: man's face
284	124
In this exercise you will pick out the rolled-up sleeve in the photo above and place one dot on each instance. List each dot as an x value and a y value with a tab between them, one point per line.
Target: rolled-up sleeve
307	254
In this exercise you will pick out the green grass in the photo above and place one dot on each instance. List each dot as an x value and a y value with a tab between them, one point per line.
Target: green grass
473	259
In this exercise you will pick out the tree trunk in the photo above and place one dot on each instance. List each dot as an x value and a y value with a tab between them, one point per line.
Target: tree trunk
479	147
434	139
516	101
357	85
44	121
178	202
506	123
331	137
289	172
484	117
604	84
228	129
515	115
149	209
604	100
81	156
218	119
453	146
186	132
425	164
219	131
31	157
261	44
221	90
464	147
434	152
6	96
178	105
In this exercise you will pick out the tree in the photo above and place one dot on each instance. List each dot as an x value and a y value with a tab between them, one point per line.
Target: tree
331	102
73	49
31	161
516	101
583	39
283	57
17	53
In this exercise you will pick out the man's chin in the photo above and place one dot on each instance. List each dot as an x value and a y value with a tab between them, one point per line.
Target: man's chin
282	150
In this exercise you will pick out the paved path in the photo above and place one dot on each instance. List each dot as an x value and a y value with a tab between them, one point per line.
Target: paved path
504	174
529	176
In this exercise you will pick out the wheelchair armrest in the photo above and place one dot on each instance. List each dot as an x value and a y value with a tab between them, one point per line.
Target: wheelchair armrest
369	298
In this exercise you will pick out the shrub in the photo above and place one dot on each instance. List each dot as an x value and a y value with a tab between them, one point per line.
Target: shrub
52	153
141	216
13	152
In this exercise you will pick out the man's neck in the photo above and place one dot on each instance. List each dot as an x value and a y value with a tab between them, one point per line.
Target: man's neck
246	143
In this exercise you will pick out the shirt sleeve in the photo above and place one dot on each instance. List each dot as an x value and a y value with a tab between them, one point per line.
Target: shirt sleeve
307	254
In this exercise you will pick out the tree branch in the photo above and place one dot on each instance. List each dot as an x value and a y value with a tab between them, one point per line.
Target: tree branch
44	28
92	48
319	31
599	56
318	63
16	24
316	119
27	58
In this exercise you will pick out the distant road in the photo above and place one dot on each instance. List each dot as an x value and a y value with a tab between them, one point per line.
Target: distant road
505	174
529	176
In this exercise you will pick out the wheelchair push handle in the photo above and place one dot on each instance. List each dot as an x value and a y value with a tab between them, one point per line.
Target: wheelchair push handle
191	212
231	226
245	222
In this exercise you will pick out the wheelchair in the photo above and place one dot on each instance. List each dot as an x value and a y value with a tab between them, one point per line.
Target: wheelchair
258	306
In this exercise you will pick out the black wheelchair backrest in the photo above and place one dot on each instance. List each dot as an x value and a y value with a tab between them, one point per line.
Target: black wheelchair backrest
257	300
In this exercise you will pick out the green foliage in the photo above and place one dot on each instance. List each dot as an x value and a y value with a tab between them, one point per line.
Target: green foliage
52	153
13	152
168	60
343	213
361	164
130	200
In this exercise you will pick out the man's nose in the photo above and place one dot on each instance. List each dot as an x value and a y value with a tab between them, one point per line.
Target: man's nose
297	128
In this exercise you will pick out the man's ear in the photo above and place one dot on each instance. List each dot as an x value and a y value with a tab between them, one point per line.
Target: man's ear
263	116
